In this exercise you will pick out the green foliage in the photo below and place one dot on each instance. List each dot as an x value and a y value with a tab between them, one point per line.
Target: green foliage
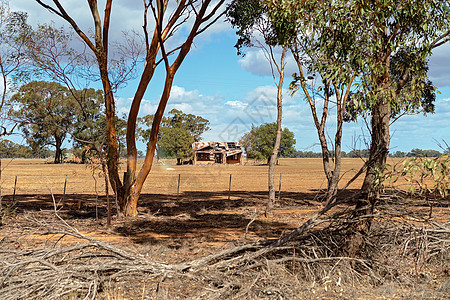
13	27
6	210
176	142
364	153
306	154
361	37
423	153
429	176
395	40
259	142
176	134
320	34
10	149
249	17
398	154
408	99
358	153
195	125
45	113
89	130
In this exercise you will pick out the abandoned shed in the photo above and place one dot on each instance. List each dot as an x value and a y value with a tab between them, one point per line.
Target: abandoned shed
217	152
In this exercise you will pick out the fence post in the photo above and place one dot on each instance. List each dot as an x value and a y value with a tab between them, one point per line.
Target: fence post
178	187
279	189
15	184
229	189
108	213
64	193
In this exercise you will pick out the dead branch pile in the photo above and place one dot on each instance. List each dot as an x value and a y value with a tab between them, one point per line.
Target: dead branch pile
404	245
405	248
77	270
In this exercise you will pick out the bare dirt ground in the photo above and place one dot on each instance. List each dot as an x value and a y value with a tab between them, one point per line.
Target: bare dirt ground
407	257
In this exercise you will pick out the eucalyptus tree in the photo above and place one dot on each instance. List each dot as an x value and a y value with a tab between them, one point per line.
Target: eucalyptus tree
194	17
12	26
316	35
394	41
255	29
44	112
375	32
260	140
362	37
177	133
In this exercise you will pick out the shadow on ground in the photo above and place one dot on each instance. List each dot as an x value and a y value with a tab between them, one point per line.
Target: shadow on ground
204	216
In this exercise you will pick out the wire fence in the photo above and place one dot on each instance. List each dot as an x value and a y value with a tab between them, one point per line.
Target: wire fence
31	177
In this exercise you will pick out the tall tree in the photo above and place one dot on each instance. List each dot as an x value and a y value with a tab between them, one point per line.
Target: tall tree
316	33
378	30
259	141
363	36
393	41
44	111
255	29
169	16
12	25
176	142
177	133
195	125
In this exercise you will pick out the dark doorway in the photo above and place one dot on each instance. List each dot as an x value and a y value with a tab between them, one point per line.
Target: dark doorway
218	158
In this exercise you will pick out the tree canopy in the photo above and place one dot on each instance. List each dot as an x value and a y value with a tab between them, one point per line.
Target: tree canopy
12	26
384	43
45	112
258	143
177	133
160	49
89	135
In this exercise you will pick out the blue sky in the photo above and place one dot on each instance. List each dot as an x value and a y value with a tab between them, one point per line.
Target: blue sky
235	92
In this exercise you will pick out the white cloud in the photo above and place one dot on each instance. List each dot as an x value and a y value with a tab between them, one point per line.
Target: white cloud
230	119
125	16
236	104
185	107
439	66
256	62
180	95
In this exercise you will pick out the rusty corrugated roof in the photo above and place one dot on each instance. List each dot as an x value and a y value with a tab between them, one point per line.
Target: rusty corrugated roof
224	145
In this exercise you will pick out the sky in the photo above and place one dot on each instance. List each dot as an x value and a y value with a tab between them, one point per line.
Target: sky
234	92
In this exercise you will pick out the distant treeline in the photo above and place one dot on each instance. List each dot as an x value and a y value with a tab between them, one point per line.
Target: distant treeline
365	153
9	149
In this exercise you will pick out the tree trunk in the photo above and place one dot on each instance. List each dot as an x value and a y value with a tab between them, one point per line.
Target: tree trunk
83	156
341	104
276	146
379	150
58	152
133	183
378	153
112	153
332	176
205	14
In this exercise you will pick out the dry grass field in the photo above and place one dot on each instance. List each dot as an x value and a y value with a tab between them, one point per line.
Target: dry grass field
36	176
407	256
